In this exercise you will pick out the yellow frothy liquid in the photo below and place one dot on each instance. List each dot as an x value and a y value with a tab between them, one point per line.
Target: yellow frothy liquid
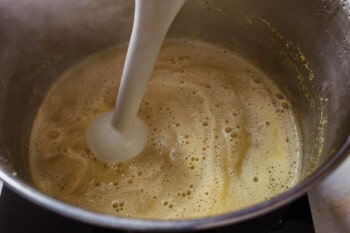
221	137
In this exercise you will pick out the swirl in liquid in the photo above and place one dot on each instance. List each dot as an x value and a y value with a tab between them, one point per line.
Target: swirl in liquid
221	137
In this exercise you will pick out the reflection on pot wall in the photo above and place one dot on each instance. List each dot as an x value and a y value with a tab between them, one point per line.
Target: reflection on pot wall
303	45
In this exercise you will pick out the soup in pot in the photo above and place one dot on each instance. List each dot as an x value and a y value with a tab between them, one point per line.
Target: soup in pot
221	136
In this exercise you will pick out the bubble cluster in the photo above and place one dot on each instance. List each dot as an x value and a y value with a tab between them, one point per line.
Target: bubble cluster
221	136
118	205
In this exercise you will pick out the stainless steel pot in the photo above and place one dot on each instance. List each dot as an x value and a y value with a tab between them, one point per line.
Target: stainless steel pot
303	45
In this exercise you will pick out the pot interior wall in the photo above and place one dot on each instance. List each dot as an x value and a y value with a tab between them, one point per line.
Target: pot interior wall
303	45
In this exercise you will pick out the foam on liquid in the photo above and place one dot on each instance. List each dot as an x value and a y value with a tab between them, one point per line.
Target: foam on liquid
221	137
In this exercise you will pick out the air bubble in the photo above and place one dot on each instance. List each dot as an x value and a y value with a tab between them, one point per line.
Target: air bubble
115	204
285	105
228	129
97	183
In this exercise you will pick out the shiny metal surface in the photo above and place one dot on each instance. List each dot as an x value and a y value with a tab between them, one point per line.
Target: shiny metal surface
303	45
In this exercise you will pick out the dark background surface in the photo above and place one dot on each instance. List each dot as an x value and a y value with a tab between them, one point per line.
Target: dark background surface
18	215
